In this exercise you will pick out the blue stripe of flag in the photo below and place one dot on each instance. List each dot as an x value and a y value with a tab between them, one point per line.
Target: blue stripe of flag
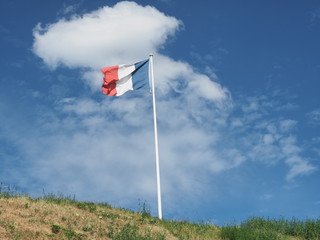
140	76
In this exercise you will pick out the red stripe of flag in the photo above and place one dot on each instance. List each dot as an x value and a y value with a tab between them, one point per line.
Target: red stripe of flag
110	79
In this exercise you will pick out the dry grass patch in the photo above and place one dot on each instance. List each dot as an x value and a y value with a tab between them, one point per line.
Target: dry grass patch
25	218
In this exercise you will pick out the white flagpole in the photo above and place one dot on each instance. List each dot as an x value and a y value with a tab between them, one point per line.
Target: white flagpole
155	136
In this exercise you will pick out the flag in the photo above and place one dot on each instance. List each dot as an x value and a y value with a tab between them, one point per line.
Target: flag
122	78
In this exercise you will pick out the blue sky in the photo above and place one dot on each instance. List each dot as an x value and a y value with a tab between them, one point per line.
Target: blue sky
237	87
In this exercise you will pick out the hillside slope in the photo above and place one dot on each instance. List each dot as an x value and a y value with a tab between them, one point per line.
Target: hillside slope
58	218
62	218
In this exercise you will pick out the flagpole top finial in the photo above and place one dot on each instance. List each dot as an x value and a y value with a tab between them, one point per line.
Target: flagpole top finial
150	54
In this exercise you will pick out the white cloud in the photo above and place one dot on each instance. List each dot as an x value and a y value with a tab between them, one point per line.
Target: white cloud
298	166
289	146
314	117
230	158
266	197
251	107
79	106
272	139
268	139
68	9
287	125
107	36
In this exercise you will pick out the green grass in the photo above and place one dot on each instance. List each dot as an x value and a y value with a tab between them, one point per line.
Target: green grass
131	232
272	229
185	230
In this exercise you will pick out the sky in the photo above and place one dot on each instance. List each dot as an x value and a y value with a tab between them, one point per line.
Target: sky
238	105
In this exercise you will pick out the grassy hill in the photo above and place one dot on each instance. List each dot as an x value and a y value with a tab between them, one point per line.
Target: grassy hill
58	217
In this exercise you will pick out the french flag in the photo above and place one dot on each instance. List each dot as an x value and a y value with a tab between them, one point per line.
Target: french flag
122	78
